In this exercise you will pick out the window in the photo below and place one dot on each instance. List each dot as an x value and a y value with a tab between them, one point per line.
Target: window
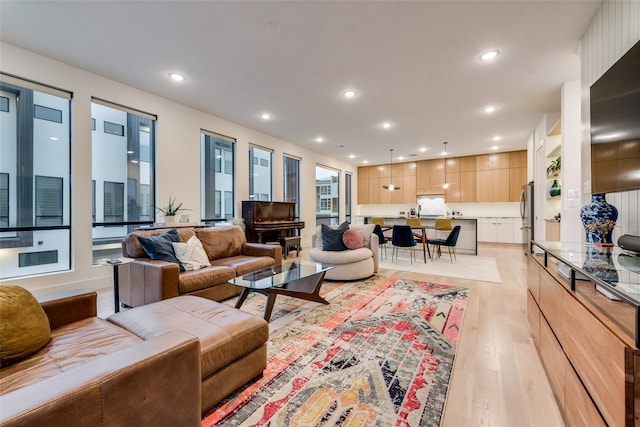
123	171
48	200
260	174
46	113
347	197
217	164
327	196
35	171
113	201
291	176
4	199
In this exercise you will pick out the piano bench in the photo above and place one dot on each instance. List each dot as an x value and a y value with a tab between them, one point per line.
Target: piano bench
290	243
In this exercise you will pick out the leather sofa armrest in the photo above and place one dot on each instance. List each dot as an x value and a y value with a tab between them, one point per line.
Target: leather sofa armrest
155	382
68	307
261	249
144	281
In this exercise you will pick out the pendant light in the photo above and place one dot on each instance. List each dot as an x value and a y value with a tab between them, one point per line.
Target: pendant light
390	186
446	184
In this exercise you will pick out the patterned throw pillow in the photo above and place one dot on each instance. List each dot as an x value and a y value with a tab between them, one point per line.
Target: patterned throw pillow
191	254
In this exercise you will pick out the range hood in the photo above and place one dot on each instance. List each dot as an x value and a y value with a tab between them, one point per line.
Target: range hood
431	205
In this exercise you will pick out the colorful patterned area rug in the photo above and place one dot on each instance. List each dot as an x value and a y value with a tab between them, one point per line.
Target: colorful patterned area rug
381	353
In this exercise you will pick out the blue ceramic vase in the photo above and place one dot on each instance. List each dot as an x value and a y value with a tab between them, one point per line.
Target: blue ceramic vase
598	219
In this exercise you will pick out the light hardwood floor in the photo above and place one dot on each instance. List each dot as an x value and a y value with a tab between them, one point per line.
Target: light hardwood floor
498	379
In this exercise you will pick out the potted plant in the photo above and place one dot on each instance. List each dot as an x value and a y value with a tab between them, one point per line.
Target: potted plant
171	209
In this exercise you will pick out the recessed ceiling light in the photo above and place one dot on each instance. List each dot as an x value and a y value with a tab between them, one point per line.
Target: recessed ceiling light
349	93
352	156
495	147
386	125
489	109
265	116
497	138
423	149
319	139
365	161
177	77
489	55
400	157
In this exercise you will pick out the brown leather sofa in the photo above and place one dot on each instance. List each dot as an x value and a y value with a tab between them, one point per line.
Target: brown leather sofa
94	373
163	364
145	280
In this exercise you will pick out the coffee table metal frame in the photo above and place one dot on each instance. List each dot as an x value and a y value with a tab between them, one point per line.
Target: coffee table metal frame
299	279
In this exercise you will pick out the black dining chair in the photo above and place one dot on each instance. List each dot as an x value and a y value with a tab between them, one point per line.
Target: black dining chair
450	242
402	237
382	239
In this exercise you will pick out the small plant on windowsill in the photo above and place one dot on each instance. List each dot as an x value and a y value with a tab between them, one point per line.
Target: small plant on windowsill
171	209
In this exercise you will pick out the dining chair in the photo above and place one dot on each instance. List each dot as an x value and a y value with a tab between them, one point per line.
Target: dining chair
450	242
382	239
402	237
420	235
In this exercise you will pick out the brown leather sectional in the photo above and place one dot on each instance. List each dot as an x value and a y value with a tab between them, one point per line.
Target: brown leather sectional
145	281
159	365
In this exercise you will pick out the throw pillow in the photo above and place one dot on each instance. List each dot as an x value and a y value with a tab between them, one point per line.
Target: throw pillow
191	254
160	247
332	239
353	239
24	327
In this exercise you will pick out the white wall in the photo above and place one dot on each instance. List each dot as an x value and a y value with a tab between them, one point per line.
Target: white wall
615	28
177	157
571	230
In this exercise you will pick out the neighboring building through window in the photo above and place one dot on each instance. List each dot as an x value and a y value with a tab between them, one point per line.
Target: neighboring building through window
291	177
327	196
260	173
122	147
347	197
35	172
217	176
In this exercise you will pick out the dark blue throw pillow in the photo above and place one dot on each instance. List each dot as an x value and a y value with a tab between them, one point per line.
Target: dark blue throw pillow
160	247
332	238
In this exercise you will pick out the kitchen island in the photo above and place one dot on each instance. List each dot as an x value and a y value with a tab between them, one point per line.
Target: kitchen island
467	241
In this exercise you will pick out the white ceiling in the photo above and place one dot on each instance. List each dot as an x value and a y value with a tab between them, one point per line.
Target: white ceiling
415	64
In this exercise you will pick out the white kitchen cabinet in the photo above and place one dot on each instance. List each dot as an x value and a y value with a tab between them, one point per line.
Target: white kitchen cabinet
518	236
497	230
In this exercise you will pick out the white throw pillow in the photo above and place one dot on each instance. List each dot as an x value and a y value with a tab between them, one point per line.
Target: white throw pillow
191	254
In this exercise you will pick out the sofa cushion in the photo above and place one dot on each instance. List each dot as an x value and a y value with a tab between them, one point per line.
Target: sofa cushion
332	238
24	327
191	254
70	346
353	239
160	247
337	258
243	264
132	247
222	242
195	280
225	334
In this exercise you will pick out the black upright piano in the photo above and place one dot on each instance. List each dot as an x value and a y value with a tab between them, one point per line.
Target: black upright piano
269	221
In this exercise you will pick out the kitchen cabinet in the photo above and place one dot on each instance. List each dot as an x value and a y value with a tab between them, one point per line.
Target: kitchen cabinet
497	230
493	178
492	185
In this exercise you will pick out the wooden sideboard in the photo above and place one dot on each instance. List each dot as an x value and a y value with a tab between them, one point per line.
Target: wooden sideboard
587	342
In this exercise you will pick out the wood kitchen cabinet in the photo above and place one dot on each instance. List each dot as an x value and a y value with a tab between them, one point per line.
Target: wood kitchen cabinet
497	177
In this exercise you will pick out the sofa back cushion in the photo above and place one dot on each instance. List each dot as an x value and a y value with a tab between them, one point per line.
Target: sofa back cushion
132	248
24	327
222	242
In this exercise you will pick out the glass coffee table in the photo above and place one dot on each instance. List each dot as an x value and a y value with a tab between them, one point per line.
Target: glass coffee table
299	279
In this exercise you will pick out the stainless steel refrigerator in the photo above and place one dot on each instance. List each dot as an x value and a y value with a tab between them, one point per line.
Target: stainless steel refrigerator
526	213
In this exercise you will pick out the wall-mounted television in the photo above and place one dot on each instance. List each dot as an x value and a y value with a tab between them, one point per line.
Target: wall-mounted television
615	126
